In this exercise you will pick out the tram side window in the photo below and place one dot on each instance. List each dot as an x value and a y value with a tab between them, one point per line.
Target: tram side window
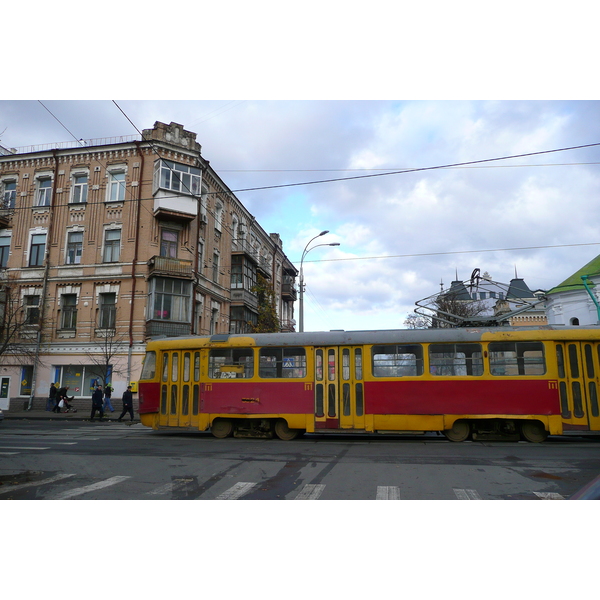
397	360
149	368
288	363
517	358
230	363
455	360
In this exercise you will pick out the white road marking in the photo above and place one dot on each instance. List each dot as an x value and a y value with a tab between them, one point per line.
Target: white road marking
8	453
549	496
462	494
237	491
90	488
169	488
163	489
310	492
21	486
24	448
388	492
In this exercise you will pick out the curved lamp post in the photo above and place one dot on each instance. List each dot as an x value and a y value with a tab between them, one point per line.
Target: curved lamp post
306	251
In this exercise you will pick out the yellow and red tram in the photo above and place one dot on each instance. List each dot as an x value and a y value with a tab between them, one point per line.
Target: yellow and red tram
465	382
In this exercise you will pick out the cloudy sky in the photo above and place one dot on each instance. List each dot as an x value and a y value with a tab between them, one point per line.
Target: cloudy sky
401	234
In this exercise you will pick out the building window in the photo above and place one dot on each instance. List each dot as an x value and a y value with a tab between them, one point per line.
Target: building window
237	274
215	268
44	191
116	186
218	216
169	175
38	250
69	311
81	378
9	194
74	247
170	300
243	273
168	243
201	256
108	310
80	189
241	319
32	310
112	245
4	250
26	380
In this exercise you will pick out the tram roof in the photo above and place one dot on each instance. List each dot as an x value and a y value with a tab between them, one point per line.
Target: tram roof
387	336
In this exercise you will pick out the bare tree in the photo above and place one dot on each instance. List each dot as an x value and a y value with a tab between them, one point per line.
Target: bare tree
416	321
453	311
445	310
108	361
19	326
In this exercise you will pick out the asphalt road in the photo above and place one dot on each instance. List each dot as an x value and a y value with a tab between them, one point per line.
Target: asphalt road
49	460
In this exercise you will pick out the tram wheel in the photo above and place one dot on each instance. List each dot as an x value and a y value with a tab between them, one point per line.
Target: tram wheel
283	432
221	428
533	431
460	431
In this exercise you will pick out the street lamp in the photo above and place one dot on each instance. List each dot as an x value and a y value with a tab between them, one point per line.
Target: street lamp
306	251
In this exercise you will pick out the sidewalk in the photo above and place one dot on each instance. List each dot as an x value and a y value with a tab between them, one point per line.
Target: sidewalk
82	414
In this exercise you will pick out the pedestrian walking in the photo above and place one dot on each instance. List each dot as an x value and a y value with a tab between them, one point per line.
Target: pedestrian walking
107	395
127	403
51	402
97	403
57	398
63	396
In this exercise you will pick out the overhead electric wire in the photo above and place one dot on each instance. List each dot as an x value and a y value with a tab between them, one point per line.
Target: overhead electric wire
450	252
417	169
575	164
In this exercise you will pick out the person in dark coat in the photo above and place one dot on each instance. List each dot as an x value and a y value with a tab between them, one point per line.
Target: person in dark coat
62	394
127	403
97	403
52	401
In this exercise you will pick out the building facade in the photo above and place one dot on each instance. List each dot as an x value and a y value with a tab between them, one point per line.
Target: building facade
112	242
576	301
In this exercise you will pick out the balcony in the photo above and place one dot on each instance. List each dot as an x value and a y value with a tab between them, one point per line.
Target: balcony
175	207
163	266
288	326
288	289
244	297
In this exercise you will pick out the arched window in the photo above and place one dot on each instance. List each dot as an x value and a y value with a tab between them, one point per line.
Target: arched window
575	321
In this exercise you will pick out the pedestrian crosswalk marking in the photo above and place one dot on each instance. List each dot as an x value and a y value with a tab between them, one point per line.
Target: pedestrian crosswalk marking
237	491
169	488
24	448
307	492
549	496
388	492
310	492
90	488
462	494
21	486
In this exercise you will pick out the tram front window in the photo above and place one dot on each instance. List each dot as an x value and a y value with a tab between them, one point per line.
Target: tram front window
149	368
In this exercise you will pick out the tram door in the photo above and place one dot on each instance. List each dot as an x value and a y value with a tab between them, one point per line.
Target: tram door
339	397
579	379
175	392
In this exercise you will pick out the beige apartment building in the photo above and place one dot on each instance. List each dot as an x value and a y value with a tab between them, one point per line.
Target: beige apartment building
107	243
